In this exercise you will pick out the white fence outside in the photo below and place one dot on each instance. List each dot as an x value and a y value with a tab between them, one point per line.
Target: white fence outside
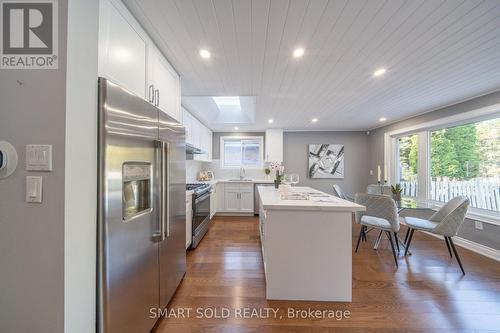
482	192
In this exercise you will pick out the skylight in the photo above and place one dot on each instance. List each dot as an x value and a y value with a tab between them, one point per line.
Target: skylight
227	102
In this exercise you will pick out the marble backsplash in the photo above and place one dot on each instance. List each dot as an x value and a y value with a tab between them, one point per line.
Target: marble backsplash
193	167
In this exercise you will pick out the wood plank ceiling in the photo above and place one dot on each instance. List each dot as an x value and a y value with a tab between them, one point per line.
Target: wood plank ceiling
436	53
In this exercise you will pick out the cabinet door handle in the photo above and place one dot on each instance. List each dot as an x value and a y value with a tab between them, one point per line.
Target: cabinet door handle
150	93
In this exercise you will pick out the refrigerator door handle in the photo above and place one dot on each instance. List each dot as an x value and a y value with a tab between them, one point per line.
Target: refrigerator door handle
164	192
166	183
159	236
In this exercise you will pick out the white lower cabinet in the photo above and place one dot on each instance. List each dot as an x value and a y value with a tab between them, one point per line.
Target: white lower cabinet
213	201
189	219
231	198
220	197
246	198
238	198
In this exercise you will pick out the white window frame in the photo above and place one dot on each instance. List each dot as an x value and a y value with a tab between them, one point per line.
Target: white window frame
423	130
261	151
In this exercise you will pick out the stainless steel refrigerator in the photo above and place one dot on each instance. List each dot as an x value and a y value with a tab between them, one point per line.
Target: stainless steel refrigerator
141	210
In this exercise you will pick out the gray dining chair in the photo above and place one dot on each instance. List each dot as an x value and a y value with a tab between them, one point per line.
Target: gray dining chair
381	213
338	192
445	222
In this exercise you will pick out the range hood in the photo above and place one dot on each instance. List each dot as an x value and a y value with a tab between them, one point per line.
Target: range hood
190	149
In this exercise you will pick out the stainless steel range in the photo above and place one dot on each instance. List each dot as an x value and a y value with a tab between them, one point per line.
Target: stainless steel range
201	211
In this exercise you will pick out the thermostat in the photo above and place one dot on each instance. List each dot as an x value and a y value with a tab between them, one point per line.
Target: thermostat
8	159
3	159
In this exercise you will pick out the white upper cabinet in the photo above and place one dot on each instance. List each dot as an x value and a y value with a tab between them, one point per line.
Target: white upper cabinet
274	145
197	135
186	121
122	49
164	83
128	57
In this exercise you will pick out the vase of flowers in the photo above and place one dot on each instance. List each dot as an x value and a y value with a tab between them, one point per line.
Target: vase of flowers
278	169
396	193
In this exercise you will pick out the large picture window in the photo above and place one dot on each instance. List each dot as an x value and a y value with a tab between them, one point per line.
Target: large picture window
408	164
445	158
239	152
465	160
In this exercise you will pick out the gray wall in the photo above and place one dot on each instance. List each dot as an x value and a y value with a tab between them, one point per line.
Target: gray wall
295	155
490	236
217	135
32	110
295	145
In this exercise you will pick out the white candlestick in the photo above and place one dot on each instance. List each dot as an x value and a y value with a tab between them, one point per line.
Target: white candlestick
378	173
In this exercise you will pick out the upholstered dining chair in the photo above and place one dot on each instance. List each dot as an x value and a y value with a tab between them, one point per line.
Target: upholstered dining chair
338	192
381	213
445	222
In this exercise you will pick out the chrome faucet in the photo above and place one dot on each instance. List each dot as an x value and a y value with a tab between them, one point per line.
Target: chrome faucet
242	172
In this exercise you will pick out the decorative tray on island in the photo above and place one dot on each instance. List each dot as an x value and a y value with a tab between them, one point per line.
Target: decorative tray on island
294	196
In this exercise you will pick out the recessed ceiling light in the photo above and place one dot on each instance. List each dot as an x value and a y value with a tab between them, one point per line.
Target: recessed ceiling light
382	119
205	54
270	121
297	53
236	128
379	72
314	120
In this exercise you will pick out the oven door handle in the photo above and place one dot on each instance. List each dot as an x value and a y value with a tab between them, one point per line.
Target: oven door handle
203	197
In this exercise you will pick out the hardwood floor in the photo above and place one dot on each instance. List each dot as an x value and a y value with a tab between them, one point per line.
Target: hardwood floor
427	293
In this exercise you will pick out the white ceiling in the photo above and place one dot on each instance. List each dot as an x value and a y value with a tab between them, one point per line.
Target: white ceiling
436	53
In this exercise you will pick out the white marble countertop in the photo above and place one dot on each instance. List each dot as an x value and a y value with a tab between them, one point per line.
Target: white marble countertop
271	198
231	180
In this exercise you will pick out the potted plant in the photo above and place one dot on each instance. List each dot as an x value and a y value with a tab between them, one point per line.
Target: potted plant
267	171
278	169
396	193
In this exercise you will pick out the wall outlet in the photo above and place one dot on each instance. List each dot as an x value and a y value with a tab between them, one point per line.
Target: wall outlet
371	172
478	225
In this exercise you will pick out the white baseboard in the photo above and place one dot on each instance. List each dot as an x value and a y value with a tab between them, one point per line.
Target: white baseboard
473	246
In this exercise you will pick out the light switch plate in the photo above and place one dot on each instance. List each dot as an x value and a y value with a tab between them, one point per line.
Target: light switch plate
39	157
34	189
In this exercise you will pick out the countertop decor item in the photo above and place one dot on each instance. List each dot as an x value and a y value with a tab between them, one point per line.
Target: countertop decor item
279	170
267	171
396	193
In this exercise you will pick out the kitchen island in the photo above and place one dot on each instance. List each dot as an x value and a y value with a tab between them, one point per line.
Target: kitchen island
306	244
